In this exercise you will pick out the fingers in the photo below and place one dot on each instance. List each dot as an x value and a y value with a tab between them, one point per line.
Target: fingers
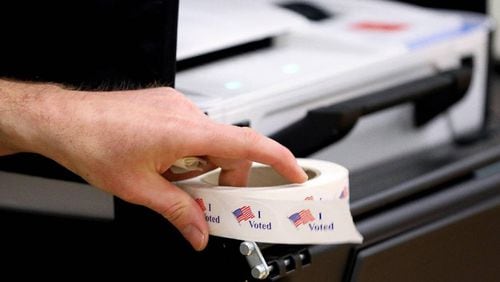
232	142
233	172
156	193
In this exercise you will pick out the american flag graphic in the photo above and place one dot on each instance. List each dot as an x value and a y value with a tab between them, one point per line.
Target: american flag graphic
201	203
301	217
243	213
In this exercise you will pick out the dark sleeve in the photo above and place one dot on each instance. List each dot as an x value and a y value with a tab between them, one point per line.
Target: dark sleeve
89	44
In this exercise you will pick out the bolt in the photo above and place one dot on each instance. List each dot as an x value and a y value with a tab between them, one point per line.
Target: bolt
246	248
260	272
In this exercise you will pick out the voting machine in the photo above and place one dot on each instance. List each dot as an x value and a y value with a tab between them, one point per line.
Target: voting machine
397	93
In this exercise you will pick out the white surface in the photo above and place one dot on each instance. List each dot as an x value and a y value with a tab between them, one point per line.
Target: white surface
327	62
207	26
272	203
413	26
494	11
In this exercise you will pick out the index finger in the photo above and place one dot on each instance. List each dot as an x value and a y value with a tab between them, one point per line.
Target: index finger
232	142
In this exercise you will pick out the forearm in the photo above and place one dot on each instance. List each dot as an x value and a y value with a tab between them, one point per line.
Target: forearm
24	110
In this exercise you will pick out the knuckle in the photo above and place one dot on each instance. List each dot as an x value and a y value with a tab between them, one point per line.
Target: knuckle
251	140
250	136
167	90
174	212
181	100
172	93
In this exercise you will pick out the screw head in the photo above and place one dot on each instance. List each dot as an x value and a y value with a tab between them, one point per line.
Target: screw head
246	248
259	272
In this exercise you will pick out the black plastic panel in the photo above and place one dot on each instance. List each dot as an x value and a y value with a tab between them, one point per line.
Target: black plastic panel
462	247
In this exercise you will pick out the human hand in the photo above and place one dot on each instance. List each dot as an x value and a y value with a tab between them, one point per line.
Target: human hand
124	142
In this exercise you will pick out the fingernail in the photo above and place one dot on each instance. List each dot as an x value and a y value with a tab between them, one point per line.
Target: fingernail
304	175
195	237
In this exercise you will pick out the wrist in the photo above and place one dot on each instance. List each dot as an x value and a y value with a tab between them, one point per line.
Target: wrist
25	111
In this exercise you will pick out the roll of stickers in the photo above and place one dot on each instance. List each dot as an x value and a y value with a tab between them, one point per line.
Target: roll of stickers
271	210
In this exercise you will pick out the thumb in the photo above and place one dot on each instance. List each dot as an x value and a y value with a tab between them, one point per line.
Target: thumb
156	193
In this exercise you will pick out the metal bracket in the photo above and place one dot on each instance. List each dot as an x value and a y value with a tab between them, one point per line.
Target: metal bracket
260	269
